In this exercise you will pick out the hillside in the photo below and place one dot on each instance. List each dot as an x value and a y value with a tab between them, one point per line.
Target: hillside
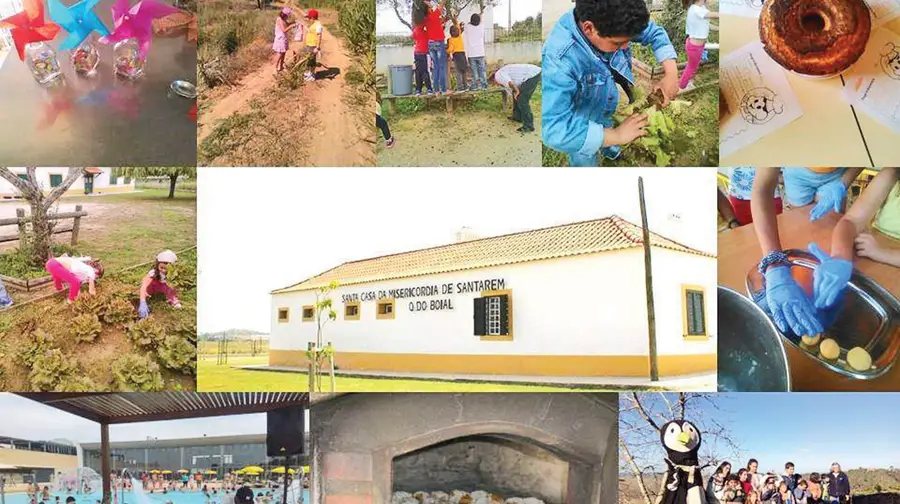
233	334
870	486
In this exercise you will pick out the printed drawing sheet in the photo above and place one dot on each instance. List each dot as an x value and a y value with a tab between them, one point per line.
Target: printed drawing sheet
883	10
759	98
873	84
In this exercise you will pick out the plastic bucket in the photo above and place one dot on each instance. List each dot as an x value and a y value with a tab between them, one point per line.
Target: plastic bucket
401	79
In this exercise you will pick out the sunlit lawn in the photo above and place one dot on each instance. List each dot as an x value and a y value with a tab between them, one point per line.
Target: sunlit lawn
225	378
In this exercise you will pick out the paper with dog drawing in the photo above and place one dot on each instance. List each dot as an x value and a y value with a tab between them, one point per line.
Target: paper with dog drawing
743	8
759	97
883	10
873	84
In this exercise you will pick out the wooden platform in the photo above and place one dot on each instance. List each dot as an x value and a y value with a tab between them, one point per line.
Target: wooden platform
449	98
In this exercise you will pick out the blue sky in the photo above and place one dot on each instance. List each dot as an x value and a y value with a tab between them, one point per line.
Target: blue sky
811	429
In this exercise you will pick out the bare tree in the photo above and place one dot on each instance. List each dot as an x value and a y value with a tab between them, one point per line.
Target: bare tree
403	8
39	240
641	415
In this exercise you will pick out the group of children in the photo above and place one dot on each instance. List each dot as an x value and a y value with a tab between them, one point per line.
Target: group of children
75	271
750	487
431	50
587	57
311	36
754	196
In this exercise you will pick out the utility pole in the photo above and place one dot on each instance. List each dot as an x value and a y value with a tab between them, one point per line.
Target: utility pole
648	281
509	19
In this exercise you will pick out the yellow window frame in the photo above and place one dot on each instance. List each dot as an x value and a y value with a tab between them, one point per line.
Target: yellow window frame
312	310
685	288
287	315
349	304
508	293
385	316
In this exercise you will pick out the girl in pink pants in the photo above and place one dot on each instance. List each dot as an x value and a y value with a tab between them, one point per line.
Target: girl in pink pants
697	27
73	272
155	283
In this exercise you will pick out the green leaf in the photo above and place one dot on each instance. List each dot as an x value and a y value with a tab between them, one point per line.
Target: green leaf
662	159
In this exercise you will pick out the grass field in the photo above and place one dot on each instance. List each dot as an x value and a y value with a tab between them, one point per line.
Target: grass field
214	378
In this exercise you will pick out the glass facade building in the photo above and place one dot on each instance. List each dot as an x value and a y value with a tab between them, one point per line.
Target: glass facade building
220	454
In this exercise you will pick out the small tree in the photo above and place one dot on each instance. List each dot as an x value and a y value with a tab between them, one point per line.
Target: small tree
324	313
40	238
403	8
172	172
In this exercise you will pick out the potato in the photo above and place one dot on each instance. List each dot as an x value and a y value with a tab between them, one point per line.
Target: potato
811	340
829	349
859	359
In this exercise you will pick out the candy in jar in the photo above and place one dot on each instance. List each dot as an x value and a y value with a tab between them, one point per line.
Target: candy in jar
85	58
128	60
41	60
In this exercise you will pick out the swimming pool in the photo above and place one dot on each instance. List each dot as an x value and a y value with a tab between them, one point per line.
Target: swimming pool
129	498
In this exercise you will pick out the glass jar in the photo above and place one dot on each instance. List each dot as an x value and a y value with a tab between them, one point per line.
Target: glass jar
128	60
41	60
85	58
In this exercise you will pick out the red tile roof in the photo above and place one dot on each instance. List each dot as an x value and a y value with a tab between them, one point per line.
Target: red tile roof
579	238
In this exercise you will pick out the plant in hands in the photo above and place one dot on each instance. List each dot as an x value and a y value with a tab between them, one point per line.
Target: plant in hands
790	307
661	137
831	197
830	278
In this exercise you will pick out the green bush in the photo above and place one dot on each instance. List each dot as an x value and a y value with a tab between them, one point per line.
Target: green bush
357	22
178	354
146	334
118	311
86	327
38	344
19	263
92	305
51	370
137	373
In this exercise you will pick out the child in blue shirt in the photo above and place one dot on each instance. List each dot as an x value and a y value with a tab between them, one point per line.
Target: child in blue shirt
586	54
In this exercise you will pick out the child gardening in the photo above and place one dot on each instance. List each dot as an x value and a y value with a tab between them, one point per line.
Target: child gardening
154	282
280	45
74	271
521	79
456	51
697	28
586	54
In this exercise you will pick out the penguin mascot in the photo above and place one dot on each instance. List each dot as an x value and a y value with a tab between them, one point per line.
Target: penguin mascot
683	483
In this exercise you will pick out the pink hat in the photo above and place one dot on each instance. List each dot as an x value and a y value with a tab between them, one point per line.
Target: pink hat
286	11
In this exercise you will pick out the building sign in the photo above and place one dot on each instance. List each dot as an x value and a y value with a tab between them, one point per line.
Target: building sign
424	291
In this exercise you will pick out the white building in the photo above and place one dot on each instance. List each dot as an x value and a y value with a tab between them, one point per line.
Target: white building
567	300
92	181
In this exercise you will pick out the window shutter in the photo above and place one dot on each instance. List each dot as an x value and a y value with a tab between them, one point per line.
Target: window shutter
480	316
504	315
696	322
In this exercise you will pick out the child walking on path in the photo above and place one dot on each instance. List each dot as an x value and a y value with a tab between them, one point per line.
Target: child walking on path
457	52
280	45
521	79
313	44
586	57
473	41
697	27
420	57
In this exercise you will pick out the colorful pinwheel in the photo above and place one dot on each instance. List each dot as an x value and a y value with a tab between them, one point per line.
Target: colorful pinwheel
136	22
79	20
29	26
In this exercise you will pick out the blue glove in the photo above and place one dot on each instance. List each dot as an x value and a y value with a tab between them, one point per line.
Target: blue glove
788	303
831	197
143	310
830	278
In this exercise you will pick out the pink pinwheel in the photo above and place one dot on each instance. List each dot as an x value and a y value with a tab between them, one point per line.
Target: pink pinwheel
136	22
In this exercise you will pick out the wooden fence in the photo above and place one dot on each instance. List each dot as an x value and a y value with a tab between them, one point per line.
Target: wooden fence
21	220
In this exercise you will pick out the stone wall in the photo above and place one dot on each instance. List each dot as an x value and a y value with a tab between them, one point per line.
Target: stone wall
506	467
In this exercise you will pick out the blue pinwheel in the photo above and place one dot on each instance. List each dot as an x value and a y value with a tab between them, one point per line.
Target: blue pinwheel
79	20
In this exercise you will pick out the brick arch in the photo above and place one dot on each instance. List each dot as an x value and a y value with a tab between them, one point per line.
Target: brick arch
356	437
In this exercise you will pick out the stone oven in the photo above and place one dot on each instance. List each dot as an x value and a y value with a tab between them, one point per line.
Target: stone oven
560	448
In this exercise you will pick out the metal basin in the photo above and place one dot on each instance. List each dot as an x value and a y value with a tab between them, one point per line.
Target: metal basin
866	316
751	355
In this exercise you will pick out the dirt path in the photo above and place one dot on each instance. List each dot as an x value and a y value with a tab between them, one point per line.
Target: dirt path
334	135
477	138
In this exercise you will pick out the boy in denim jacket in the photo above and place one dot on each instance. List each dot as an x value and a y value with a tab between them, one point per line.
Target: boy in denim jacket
585	56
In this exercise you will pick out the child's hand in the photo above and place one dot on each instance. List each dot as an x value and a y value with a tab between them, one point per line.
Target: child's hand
630	129
866	246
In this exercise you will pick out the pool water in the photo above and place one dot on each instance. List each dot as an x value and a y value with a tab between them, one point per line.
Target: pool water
129	498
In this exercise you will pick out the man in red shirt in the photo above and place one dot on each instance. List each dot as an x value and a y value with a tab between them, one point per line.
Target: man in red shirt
437	48
420	56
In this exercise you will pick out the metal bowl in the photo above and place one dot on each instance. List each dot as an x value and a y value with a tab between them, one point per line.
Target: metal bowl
751	355
867	315
183	88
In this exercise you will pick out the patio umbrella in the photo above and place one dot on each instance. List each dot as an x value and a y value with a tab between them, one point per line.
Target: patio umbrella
166	472
280	470
253	470
210	471
305	469
183	471
154	471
